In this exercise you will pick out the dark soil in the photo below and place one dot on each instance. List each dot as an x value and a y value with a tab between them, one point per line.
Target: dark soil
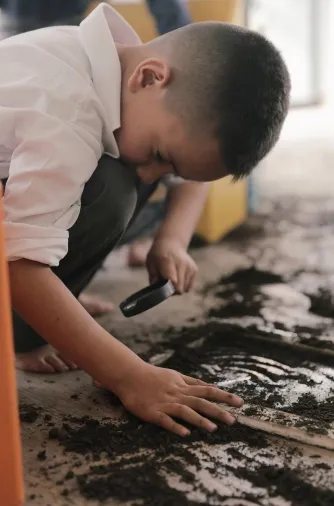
250	277
132	475
308	406
253	411
242	297
141	457
322	465
239	290
93	437
41	455
322	303
230	349
134	461
287	483
28	413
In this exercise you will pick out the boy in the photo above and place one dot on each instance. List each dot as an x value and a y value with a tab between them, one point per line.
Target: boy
90	122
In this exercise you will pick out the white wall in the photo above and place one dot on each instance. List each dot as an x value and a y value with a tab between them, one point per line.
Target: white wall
329	61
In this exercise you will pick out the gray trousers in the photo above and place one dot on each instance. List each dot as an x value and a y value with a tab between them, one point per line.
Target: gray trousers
111	201
169	14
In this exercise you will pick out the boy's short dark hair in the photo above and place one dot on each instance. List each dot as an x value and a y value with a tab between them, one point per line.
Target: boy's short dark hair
233	83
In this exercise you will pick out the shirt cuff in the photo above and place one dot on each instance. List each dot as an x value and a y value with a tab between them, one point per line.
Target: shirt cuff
46	245
169	181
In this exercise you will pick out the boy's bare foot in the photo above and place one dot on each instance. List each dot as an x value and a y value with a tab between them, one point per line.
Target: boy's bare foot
44	360
94	305
138	252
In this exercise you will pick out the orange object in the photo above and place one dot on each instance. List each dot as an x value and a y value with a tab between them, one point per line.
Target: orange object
11	476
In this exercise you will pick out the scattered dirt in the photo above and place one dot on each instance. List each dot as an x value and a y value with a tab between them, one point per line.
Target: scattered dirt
28	413
322	303
262	372
243	297
253	411
147	457
252	276
239	290
308	406
142	454
322	465
41	455
288	484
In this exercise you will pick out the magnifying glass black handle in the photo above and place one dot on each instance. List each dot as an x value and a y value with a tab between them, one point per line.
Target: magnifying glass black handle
147	298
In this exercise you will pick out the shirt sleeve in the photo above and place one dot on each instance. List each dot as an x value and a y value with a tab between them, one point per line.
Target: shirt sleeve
50	164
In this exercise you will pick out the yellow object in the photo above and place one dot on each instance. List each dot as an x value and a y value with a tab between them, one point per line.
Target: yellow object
225	209
226	206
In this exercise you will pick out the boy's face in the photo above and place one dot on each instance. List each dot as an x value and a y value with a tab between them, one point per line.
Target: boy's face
153	139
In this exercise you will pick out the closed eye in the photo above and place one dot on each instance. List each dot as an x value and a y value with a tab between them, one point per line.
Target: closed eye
161	159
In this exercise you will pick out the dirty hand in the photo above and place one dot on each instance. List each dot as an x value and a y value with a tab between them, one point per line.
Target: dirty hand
169	259
159	395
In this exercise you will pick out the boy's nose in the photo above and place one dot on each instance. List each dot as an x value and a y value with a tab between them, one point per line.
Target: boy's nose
149	174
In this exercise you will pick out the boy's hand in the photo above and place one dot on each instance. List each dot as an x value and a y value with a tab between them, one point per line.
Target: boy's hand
168	258
159	395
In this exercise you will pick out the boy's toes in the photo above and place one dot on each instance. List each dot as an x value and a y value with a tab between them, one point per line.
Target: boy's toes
94	305
43	360
71	365
57	363
32	364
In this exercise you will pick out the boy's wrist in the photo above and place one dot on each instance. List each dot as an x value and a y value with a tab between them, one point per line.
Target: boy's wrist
124	364
184	206
176	236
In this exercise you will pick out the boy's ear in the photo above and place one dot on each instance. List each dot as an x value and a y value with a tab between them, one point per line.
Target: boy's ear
150	72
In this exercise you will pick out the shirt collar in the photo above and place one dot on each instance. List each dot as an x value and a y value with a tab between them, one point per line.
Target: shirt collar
99	34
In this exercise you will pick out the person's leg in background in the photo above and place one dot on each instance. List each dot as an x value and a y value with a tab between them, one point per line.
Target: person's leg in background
19	16
111	200
169	14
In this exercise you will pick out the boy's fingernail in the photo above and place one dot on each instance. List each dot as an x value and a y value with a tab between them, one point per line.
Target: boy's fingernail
236	400
229	418
212	427
185	432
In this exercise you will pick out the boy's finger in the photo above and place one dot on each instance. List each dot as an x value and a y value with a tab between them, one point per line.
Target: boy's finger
214	394
181	273
153	277
152	271
189	415
169	424
189	280
194	381
168	270
209	409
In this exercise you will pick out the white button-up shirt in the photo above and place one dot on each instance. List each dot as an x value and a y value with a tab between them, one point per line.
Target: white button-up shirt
60	93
